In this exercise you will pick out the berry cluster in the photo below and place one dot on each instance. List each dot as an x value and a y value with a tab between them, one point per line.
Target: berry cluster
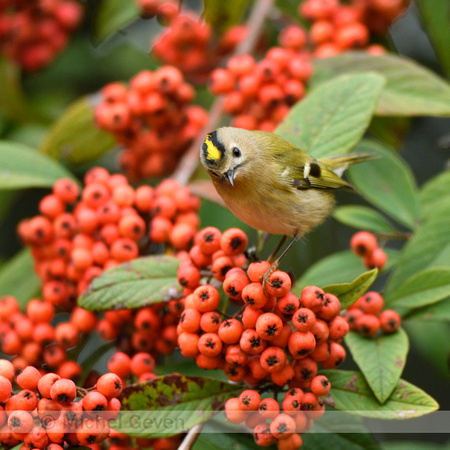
73	241
34	32
340	26
214	251
365	245
366	316
258	343
153	120
298	411
147	329
260	94
164	10
139	367
187	42
44	413
32	340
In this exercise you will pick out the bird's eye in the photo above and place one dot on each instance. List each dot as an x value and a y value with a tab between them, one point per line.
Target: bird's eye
236	152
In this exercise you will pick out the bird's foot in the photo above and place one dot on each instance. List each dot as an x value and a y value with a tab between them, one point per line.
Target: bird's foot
265	278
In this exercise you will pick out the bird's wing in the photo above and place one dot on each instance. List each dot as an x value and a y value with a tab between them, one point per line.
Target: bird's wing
312	174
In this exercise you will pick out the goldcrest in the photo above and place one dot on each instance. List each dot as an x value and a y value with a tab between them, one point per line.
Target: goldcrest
270	184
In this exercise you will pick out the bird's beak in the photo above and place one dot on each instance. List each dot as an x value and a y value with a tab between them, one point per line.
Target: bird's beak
230	176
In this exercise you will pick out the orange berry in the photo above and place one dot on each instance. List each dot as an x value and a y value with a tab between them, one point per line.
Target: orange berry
363	243
390	321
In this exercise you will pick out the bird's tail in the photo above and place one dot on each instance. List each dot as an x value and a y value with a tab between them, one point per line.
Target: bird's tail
338	164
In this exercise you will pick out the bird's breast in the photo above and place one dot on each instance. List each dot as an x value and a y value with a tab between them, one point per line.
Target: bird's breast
276	210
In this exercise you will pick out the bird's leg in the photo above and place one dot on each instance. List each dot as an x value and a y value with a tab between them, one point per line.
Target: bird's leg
276	263
280	244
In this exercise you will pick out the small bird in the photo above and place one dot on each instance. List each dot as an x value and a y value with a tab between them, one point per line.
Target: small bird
272	185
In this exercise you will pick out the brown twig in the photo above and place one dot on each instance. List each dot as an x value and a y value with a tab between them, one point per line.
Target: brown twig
189	161
190	438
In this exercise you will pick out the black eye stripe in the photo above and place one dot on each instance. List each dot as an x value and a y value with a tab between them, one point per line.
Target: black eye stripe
236	152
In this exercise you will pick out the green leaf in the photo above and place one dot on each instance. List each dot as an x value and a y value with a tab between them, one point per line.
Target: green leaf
333	117
334	269
341	267
381	359
223	15
328	434
424	288
13	103
435	15
348	293
17	278
387	182
434	198
170	404
410	90
350	392
75	138
22	167
363	218
133	284
437	312
432	343
219	436
429	247
30	134
111	16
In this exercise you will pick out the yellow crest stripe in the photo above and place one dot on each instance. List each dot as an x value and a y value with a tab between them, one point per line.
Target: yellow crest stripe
212	152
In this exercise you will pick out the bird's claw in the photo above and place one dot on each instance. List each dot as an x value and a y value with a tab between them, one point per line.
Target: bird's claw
265	278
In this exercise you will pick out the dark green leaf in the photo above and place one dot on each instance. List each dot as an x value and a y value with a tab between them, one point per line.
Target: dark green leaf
410	90
438	312
171	404
133	284
435	14
348	293
219	436
434	198
333	117
363	218
22	167
17	278
387	182
223	15
429	247
75	138
432	343
350	392
187	367
328	434
422	289
381	359
111	16
13	103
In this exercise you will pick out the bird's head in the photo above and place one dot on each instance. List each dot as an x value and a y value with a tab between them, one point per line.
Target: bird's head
225	153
